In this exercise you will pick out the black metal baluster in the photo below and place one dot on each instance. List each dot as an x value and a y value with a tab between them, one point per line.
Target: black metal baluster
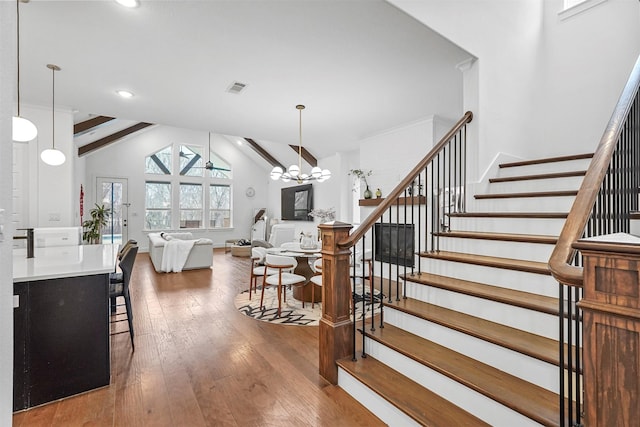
561	351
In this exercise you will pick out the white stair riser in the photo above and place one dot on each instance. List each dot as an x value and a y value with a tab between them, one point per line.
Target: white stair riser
524	204
566	166
551	226
502	249
528	368
522	281
520	318
473	402
380	407
555	184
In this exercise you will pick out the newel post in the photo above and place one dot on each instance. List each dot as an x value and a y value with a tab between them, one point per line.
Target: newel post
336	328
611	313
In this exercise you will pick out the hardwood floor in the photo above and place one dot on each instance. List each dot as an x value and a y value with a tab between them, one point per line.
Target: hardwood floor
199	362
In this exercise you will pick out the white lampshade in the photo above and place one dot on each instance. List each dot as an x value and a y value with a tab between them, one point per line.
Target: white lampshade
294	170
316	172
52	157
286	177
276	173
23	129
326	174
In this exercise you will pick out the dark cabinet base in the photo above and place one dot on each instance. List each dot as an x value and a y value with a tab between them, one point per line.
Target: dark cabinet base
61	338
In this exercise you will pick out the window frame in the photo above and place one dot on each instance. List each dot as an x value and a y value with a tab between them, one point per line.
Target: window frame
147	209
176	181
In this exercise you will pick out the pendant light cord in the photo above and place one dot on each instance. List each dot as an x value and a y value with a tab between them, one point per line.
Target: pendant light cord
53	107
300	144
18	49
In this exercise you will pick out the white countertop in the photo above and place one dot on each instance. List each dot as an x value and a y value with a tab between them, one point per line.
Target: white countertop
64	261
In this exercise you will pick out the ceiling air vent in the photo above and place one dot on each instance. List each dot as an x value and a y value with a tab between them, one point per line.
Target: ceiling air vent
236	87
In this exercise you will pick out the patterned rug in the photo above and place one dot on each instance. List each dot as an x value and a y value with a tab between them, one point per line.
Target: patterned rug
292	312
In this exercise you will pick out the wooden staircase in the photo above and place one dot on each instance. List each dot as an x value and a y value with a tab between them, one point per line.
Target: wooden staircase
476	338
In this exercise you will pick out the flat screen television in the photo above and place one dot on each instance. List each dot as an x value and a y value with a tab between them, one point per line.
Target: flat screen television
296	203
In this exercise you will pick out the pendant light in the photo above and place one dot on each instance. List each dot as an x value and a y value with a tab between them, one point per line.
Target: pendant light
52	156
23	130
295	171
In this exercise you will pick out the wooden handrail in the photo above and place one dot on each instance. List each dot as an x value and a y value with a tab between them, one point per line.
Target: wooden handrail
574	227
400	188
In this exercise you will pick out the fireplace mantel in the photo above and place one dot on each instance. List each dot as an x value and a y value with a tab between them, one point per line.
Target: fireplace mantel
417	200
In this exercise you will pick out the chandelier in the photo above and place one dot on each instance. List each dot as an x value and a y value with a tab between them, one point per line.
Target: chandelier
294	172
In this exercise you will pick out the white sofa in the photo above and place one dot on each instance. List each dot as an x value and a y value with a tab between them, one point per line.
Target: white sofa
200	256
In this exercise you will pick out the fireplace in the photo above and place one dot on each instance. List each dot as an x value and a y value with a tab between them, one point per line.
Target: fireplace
394	243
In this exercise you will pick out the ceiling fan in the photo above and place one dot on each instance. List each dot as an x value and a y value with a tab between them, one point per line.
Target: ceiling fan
185	155
209	164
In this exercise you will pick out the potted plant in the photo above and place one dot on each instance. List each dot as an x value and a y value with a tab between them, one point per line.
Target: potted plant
92	227
362	175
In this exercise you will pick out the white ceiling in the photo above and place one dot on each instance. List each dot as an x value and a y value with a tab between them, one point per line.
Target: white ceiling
360	67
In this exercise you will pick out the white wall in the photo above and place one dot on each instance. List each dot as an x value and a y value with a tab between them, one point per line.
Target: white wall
392	154
544	86
7	88
126	159
51	200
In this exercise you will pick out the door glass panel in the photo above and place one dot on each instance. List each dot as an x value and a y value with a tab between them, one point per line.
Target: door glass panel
112	194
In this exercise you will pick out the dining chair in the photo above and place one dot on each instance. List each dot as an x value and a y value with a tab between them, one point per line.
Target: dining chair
283	278
316	279
120	288
256	271
361	267
290	246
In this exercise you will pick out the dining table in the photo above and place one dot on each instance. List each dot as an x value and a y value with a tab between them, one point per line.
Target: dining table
304	257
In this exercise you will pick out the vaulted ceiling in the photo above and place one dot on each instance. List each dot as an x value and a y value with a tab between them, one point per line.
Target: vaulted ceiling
359	66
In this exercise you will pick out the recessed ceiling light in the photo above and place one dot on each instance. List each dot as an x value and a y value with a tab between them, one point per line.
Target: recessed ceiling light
124	93
128	3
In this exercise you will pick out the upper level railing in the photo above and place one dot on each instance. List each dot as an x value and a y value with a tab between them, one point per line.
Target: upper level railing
609	191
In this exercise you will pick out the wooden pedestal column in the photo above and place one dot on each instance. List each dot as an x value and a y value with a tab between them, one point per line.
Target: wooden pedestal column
611	316
336	328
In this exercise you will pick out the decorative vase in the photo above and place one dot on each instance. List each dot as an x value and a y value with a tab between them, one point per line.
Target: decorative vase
307	242
367	193
378	193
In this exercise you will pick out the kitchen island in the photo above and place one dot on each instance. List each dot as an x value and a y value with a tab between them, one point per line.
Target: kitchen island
61	322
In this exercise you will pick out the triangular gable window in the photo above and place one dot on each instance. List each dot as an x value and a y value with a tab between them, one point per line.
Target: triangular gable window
159	163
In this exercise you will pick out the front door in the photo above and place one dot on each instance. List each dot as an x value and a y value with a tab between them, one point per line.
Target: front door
112	193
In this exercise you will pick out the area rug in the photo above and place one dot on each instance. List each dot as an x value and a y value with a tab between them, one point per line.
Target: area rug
292	312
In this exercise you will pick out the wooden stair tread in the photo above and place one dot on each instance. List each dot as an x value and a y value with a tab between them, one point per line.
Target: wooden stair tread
563	193
535	302
528	399
506	237
532	215
538	176
547	160
489	261
535	346
419	403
